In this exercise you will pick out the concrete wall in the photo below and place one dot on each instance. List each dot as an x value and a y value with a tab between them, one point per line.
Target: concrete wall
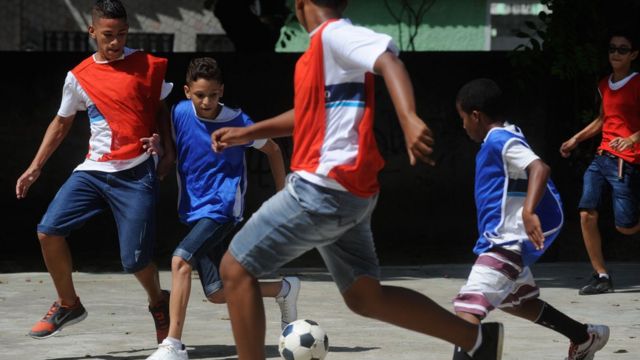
24	21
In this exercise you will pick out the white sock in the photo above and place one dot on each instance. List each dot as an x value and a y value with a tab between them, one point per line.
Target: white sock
176	343
478	341
284	290
603	275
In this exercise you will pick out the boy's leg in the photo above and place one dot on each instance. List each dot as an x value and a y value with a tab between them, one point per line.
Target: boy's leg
180	291
598	175
592	239
132	197
586	339
57	258
246	309
75	202
409	309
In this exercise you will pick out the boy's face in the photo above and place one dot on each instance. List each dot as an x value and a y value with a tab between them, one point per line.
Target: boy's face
205	95
621	53
110	36
471	124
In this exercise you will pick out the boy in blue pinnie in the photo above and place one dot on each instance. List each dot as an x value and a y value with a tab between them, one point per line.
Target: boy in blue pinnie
212	187
519	216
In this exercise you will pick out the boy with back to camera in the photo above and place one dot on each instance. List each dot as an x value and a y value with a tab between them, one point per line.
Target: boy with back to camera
519	216
121	89
617	161
211	199
328	200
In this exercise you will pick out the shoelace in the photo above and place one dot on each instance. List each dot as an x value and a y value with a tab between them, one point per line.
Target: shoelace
54	308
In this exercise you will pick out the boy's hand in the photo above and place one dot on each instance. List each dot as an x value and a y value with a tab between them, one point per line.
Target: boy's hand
227	137
621	143
152	145
534	229
419	140
567	147
25	181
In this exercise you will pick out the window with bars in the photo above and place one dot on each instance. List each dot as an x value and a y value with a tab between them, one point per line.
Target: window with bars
63	41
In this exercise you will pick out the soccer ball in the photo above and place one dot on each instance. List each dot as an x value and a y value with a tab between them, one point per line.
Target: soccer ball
303	340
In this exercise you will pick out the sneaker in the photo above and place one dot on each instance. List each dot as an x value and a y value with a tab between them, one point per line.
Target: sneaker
57	318
598	337
289	303
160	313
491	347
597	285
168	352
460	354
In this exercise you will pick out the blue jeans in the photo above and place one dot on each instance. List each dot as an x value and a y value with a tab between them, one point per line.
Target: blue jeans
625	191
131	196
203	248
304	216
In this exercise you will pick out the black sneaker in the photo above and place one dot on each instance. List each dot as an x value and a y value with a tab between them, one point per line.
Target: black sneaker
597	285
491	347
56	318
459	354
160	313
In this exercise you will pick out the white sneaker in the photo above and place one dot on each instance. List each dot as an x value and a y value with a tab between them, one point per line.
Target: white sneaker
168	352
289	303
598	337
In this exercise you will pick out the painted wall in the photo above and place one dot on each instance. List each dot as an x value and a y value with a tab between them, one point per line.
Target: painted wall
449	25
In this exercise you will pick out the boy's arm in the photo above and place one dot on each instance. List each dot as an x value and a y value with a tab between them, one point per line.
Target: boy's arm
168	157
278	126
588	132
418	137
56	132
538	175
276	163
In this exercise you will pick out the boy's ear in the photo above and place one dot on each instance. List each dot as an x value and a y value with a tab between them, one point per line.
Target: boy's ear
187	92
92	32
634	55
476	115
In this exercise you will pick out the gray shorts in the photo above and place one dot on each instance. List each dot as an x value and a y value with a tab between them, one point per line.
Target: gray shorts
304	216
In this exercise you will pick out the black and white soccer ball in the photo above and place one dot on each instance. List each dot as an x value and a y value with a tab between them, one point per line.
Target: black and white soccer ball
303	340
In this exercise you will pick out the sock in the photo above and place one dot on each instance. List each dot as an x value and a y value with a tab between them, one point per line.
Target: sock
177	344
555	320
284	291
478	341
603	275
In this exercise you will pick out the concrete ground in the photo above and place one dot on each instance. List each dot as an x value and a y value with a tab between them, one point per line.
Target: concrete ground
119	327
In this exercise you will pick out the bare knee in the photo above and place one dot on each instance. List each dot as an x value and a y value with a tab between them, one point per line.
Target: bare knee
180	267
362	297
232	272
588	217
217	297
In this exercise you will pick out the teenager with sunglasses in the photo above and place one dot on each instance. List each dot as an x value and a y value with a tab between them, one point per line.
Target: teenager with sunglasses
617	161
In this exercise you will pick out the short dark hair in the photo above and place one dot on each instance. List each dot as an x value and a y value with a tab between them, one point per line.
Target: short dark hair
627	33
482	95
203	68
330	3
108	9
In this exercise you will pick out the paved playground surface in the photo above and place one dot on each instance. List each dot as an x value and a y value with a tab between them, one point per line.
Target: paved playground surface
119	328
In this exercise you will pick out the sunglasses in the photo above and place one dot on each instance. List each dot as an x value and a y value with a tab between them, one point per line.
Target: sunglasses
622	50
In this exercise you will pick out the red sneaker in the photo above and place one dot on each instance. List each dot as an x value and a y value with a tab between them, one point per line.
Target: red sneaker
57	318
160	313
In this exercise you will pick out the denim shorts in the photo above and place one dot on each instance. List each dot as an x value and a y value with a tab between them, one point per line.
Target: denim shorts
203	248
130	194
304	216
625	191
